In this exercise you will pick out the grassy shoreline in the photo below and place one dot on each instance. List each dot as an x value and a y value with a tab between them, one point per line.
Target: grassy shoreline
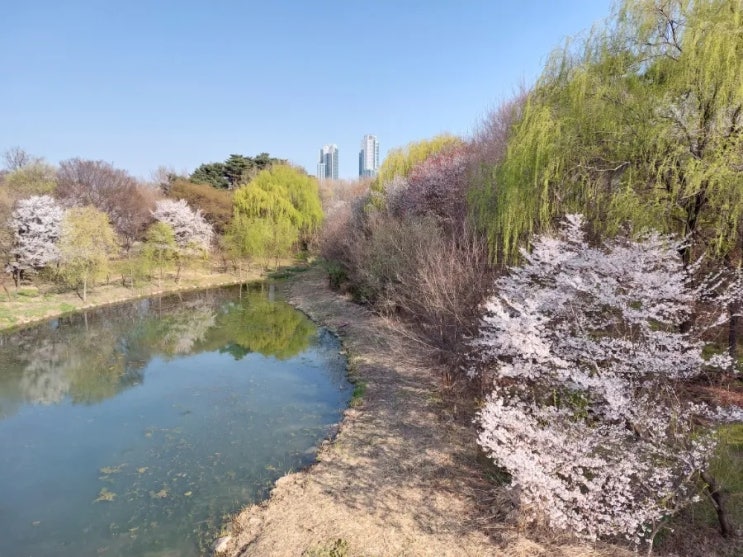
33	304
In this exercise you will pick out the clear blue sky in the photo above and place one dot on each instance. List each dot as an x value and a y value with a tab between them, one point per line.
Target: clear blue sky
177	83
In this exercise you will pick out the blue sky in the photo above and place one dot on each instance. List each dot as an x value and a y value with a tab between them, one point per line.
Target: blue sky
147	83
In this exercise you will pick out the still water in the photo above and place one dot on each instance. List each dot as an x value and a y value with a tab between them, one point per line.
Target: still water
134	430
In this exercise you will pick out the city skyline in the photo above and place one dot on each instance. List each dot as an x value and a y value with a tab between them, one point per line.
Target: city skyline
329	161
369	156
327	166
172	97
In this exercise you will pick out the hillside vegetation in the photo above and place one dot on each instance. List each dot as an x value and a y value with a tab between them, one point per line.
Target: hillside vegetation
577	267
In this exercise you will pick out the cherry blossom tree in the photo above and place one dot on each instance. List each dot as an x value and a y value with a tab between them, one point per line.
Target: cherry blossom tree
192	234
191	230
585	347
36	225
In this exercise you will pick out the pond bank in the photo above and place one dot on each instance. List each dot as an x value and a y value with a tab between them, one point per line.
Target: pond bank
402	477
30	304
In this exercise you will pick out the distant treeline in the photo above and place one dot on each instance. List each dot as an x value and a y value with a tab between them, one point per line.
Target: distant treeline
70	223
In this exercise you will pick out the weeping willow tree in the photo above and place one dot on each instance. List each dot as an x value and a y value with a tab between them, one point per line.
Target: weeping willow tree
400	162
278	209
257	324
87	243
639	124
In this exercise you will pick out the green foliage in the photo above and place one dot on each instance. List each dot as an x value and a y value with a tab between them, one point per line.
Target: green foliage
133	269
37	178
337	274
400	162
235	170
726	466
86	244
245	237
359	390
640	125
282	192
260	238
260	325
211	173
278	208
160	249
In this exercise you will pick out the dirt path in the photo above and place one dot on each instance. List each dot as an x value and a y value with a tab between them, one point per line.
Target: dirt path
401	478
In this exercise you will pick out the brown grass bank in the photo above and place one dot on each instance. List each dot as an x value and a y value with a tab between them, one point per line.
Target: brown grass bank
29	304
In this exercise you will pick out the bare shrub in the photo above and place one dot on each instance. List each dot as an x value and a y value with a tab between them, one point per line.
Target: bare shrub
341	241
409	251
446	280
411	267
438	187
489	144
127	203
216	204
336	194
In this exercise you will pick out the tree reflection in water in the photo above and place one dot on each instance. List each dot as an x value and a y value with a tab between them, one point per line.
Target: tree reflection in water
91	356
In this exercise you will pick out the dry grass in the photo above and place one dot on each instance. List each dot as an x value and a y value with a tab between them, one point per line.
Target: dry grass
29	304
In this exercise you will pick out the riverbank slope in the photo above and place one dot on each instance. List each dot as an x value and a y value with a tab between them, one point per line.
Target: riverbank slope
30	304
402	477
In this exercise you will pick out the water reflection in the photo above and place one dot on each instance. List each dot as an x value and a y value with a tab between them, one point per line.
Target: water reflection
133	430
92	356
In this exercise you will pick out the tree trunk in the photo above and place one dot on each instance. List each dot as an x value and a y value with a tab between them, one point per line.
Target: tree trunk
718	497
734	310
85	289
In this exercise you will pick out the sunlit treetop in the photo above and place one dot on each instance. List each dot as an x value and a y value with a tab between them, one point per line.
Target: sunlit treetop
638	124
400	162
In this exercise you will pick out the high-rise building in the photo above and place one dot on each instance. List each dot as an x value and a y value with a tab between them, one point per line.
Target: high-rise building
327	167
369	156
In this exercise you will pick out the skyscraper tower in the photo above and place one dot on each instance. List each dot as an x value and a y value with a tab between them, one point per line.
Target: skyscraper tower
369	157
327	167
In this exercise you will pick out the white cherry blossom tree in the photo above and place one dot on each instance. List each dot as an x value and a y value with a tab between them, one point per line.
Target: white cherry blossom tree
193	235
190	228
585	347
36	225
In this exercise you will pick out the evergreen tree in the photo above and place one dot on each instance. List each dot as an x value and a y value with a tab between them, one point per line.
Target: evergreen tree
236	170
211	173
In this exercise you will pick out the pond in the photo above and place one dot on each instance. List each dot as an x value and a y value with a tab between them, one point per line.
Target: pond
137	429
